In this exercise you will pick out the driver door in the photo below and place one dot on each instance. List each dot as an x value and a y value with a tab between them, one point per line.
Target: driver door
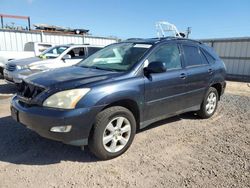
75	56
164	92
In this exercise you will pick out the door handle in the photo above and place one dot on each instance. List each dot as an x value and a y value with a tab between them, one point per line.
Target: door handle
183	76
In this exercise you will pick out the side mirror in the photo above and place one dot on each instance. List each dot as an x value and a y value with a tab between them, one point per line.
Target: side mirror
156	67
65	57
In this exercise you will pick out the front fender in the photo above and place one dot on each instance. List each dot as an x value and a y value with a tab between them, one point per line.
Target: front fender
132	89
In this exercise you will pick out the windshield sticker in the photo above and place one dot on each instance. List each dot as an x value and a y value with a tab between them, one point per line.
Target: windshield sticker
142	46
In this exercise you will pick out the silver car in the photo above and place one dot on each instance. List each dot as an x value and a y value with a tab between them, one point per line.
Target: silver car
54	57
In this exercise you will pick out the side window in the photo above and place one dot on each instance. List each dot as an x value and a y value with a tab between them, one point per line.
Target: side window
168	54
92	50
192	56
43	47
209	58
77	53
203	58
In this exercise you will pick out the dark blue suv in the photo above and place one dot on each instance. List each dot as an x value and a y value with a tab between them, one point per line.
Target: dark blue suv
124	87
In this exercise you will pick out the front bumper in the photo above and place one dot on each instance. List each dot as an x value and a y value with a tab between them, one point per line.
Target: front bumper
41	120
14	76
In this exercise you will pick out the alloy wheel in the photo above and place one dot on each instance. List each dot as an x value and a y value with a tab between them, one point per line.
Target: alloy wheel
211	103
116	134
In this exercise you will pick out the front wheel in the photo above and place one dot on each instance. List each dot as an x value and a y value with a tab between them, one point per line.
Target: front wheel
113	132
209	104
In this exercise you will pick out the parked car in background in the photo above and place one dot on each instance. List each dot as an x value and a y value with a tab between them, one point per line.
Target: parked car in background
103	100
31	49
54	57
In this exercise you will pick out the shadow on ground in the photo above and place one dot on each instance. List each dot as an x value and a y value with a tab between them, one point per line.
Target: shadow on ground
23	146
7	88
189	115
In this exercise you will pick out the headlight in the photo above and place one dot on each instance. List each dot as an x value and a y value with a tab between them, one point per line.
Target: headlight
18	67
38	67
65	99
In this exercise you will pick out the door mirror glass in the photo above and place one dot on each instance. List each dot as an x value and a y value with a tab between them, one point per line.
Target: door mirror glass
67	56
156	67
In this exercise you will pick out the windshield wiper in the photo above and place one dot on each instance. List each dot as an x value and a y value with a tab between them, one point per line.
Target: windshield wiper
100	68
106	69
83	66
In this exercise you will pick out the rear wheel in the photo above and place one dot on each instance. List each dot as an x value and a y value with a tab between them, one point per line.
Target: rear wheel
113	132
209	104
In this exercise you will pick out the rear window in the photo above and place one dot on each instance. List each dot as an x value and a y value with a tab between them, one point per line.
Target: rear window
192	56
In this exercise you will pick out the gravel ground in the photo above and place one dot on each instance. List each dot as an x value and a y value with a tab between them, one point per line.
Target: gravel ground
182	151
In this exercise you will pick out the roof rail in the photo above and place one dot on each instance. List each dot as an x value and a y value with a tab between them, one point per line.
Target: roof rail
135	39
189	40
178	38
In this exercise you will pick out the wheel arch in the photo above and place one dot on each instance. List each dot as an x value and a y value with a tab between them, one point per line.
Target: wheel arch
130	105
218	87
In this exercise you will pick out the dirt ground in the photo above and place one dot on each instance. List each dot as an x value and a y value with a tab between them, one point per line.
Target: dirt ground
183	151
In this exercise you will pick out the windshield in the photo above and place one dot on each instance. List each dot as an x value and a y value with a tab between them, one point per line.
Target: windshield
116	57
53	52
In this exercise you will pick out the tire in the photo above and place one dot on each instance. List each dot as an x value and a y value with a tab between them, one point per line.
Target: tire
204	112
113	132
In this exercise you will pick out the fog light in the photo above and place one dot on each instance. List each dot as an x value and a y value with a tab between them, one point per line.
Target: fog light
61	129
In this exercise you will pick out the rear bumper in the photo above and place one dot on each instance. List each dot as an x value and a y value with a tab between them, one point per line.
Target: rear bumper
41	120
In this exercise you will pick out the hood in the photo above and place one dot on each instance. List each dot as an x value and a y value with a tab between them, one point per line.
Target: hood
25	61
69	77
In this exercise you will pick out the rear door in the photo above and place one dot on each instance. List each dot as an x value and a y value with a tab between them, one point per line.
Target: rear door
164	91
199	74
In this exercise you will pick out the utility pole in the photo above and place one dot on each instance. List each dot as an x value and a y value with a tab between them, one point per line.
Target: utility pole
188	31
2	21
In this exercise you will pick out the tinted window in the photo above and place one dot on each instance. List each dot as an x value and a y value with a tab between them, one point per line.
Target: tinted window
168	54
92	50
192	56
210	51
209	58
203	58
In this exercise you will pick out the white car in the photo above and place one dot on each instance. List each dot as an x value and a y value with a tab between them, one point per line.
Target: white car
31	49
54	57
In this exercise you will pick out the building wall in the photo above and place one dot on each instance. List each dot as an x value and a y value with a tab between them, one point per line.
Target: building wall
15	40
235	52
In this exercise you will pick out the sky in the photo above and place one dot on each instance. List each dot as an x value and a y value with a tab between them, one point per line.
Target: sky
137	18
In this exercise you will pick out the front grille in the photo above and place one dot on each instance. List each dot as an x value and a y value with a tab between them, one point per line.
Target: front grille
29	91
10	67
